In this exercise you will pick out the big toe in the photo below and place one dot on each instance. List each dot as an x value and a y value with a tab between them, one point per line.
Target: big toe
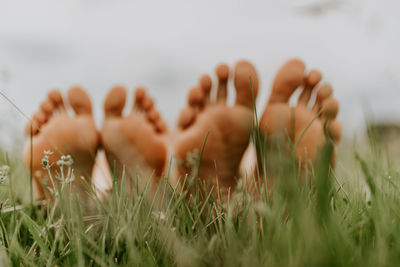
289	77
246	83
115	101
79	101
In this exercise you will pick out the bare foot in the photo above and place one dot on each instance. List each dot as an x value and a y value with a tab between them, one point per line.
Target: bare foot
228	128
54	130
136	141
280	120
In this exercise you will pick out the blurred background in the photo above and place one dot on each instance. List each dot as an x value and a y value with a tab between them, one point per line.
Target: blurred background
166	45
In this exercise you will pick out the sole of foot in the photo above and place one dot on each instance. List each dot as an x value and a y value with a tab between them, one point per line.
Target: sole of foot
309	124
224	131
53	129
135	142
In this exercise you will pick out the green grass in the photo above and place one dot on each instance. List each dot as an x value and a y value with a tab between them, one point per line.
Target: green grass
349	217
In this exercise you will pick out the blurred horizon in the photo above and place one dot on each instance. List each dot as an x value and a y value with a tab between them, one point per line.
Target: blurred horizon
166	46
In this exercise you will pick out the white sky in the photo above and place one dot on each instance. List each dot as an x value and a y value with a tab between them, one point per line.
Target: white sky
167	45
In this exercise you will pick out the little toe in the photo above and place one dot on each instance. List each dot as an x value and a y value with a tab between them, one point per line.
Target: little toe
29	128
222	71
115	101
79	101
246	84
38	119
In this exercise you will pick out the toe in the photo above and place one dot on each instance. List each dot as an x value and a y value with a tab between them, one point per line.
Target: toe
196	97
246	84
196	101
222	72
47	107
28	128
323	93
312	79
153	115
186	118
38	119
56	99
335	130
147	104
305	96
330	108
115	101
160	126
140	94
205	85
289	77
79	101
142	101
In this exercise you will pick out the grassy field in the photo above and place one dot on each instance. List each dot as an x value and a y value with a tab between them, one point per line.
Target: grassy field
349	217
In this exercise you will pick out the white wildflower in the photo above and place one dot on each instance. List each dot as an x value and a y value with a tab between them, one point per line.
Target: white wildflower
65	161
45	161
4	171
160	216
48	152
